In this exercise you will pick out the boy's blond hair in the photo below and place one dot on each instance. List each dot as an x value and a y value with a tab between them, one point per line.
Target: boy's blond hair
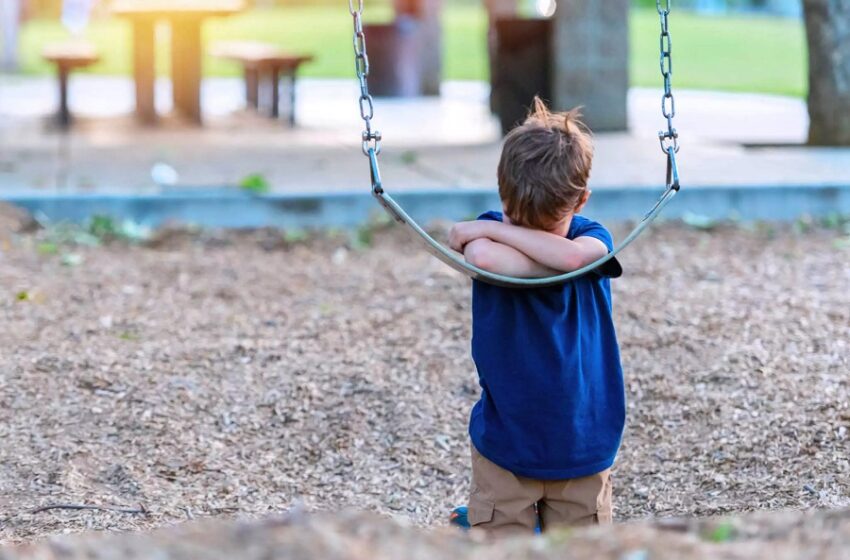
544	167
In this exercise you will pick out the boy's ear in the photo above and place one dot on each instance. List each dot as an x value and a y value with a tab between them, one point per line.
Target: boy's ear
585	196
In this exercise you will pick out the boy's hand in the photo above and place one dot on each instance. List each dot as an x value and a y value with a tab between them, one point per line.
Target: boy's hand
464	232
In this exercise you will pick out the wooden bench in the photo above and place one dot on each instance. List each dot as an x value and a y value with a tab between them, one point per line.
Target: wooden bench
67	57
262	62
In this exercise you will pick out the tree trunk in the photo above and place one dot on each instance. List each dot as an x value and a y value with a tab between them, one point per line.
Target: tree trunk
590	66
828	30
431	47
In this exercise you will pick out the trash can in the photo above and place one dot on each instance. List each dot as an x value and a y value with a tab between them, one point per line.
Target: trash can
395	58
520	56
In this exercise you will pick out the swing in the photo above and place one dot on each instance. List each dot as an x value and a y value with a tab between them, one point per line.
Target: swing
371	145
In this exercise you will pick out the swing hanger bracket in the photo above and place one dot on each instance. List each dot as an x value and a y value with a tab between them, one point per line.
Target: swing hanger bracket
669	139
371	141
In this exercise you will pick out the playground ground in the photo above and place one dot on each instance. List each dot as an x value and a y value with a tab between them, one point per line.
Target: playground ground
224	374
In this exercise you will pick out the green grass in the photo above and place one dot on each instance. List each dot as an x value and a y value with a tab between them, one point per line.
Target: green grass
723	53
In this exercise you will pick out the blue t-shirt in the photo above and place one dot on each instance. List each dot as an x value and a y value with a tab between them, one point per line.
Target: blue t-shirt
552	398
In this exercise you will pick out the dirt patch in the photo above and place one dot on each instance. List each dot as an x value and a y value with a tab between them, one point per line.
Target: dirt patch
238	374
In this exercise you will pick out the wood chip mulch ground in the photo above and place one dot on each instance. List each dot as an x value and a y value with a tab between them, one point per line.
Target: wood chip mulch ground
238	374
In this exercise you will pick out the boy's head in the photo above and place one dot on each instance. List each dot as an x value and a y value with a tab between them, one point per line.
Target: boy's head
544	168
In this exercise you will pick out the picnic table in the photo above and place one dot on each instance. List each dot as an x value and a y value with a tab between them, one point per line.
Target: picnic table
262	61
185	18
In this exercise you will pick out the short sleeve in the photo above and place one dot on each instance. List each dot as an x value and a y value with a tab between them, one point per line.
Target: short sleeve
583	227
492	216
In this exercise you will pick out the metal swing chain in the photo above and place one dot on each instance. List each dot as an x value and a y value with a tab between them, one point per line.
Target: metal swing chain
668	138
371	138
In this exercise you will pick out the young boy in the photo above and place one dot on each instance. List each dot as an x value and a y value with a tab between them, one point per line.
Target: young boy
548	425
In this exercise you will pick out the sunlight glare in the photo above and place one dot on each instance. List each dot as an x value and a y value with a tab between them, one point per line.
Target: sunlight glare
545	8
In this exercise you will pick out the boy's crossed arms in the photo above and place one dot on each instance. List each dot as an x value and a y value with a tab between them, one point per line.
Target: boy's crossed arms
504	248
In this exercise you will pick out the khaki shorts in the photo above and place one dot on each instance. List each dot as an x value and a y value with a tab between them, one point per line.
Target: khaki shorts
502	502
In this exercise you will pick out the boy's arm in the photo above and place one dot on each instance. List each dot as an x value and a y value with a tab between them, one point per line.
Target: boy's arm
549	249
501	259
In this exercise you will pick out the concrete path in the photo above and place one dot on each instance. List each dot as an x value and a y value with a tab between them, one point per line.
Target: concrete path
450	142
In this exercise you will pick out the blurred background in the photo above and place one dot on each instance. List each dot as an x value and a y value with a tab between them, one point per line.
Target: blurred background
733	45
138	96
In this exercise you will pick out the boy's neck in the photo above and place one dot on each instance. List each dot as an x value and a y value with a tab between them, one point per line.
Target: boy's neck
563	226
561	229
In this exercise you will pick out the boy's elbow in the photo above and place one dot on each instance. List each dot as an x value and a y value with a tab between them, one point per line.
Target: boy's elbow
568	264
582	258
478	254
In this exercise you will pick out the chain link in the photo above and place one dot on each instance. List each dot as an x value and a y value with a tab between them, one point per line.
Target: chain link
355	7
668	138
371	138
